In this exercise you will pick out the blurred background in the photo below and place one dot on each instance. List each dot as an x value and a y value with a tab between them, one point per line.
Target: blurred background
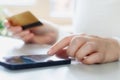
56	11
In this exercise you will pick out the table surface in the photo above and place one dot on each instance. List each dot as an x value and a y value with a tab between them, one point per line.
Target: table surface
74	71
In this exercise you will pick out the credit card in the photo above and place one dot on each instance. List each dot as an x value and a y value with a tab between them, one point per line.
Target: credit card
25	20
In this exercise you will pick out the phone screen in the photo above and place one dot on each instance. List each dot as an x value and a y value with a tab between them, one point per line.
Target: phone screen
26	59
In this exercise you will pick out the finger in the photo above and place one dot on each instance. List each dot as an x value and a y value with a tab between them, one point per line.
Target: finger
15	30
93	58
87	49
22	34
60	45
27	38
75	44
39	30
62	54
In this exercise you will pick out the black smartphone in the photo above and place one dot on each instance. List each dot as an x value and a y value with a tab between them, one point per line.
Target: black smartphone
31	61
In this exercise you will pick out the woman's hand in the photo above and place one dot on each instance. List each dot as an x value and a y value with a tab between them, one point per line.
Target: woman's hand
87	48
44	34
17	32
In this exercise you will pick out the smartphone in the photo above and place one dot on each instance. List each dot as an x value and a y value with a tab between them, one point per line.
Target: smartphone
25	19
31	61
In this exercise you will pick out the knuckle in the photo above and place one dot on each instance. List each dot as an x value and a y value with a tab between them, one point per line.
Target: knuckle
78	39
67	38
91	45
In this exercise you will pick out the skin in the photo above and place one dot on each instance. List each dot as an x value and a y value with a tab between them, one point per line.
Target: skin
44	34
87	49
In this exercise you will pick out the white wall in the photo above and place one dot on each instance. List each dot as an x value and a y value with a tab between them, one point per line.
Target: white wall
98	17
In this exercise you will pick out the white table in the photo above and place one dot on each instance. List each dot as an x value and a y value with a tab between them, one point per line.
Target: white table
75	71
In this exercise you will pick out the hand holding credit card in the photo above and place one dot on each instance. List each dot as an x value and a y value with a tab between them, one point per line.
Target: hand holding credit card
25	19
28	28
